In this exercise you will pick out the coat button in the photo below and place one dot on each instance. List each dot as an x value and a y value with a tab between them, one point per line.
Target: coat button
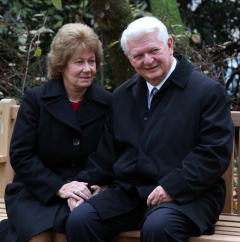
73	163
145	118
76	141
67	180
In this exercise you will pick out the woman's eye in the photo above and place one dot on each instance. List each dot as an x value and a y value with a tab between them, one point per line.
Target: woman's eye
92	61
79	62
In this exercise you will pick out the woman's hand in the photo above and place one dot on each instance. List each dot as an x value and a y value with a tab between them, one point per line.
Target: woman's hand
73	203
98	189
74	189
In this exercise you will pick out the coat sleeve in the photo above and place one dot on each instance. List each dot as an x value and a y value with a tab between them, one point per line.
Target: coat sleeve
210	158
28	167
98	168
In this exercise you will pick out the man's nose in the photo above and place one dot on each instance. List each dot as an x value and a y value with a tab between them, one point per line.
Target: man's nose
148	59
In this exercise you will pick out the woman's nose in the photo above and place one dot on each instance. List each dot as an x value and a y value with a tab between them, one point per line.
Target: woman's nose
86	67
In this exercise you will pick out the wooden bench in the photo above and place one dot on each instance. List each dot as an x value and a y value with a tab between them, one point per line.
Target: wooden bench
227	228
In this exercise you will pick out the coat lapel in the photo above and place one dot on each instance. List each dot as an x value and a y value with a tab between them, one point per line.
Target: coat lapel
56	102
139	89
92	106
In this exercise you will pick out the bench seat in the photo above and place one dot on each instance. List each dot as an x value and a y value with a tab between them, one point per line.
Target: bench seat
227	230
3	214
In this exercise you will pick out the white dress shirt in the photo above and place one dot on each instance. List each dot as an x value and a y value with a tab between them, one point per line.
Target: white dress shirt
150	87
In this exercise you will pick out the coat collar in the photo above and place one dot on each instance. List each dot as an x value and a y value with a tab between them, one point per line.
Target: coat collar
56	102
179	76
182	72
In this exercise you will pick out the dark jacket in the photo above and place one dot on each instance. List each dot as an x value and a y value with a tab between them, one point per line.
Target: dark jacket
183	143
49	146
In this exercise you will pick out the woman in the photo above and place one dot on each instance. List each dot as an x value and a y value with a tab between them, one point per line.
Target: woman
59	124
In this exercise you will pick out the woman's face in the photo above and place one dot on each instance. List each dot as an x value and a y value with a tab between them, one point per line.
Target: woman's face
79	72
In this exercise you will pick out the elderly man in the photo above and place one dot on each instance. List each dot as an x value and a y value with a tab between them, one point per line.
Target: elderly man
170	141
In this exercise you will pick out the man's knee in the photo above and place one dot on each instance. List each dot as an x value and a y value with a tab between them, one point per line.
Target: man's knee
152	226
167	224
80	216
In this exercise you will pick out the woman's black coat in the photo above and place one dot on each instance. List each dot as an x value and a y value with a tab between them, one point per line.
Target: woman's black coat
49	147
183	143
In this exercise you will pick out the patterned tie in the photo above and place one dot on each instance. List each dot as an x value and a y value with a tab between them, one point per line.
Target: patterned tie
153	92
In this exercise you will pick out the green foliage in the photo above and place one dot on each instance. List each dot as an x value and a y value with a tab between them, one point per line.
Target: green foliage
57	4
139	9
27	28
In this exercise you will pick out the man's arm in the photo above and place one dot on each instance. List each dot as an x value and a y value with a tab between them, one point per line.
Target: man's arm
210	158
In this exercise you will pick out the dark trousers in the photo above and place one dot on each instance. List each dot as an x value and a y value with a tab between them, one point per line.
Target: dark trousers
164	224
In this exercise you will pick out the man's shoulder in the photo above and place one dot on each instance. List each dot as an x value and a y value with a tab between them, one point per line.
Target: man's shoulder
127	84
202	80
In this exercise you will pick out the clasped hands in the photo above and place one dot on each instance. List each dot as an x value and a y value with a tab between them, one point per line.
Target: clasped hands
77	192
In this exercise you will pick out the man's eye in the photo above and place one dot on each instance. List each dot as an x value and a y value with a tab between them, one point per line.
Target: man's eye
137	57
156	50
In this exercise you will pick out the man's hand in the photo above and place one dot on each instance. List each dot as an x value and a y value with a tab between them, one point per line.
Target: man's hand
98	189
158	196
76	190
73	203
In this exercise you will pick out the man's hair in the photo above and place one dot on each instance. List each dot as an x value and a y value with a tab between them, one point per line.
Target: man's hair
69	39
141	27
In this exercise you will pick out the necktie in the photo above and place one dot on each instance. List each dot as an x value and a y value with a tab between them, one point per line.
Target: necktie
153	92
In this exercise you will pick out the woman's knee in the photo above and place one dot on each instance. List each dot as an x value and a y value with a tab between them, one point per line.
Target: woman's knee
44	236
57	237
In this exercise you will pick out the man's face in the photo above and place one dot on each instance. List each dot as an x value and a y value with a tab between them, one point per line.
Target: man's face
151	58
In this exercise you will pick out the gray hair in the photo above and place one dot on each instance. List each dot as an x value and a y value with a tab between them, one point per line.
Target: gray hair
141	27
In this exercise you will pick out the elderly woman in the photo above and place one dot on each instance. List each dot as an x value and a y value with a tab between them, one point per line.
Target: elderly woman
59	124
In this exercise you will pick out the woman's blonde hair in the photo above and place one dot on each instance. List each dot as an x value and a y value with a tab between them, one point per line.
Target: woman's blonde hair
69	39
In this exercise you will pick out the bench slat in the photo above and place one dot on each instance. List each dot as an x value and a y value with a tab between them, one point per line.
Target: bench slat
228	233
2	205
224	228
229	218
3	158
2	211
228	224
215	237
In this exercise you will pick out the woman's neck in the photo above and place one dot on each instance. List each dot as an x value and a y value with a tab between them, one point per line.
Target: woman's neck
75	96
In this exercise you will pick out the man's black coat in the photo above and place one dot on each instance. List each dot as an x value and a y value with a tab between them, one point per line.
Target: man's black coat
183	143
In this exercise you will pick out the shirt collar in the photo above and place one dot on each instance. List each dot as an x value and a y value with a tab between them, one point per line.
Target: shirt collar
150	86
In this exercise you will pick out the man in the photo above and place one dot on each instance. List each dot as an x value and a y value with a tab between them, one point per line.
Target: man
169	149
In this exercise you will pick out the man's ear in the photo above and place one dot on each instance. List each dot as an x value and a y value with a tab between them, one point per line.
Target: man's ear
170	44
128	58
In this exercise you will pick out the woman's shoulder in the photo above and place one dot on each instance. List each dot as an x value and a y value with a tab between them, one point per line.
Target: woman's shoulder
98	93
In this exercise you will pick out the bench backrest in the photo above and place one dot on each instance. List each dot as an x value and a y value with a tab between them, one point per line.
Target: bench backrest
8	115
